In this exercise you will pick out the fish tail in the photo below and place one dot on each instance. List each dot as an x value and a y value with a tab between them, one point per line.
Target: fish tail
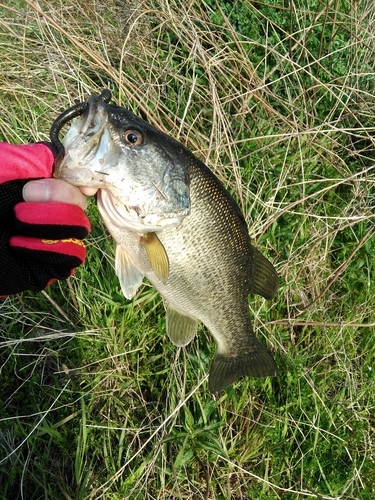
226	370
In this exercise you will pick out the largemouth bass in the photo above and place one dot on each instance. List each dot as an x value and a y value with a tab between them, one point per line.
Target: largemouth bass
175	224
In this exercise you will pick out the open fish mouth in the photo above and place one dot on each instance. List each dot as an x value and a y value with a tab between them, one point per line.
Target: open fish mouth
65	117
88	133
141	194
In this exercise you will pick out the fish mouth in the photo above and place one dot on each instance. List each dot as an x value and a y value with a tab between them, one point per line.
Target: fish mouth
86	140
64	118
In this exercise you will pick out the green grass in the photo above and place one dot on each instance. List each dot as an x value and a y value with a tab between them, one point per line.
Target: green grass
278	99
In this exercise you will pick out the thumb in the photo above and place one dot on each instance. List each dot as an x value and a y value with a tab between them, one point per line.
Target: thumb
45	190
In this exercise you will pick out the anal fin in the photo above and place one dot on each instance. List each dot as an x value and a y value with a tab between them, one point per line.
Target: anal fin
226	370
181	329
130	277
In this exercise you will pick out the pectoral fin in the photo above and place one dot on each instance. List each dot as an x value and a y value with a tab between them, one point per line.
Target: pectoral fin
180	328
156	255
130	277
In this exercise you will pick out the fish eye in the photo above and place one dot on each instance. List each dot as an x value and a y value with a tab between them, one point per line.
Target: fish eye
133	137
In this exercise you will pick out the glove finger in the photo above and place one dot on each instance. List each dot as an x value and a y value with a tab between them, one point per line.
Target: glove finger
30	267
26	161
51	220
49	250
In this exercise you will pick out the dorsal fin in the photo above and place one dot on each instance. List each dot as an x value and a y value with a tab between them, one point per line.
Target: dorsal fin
264	279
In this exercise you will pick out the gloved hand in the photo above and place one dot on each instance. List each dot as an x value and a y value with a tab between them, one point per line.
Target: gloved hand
39	242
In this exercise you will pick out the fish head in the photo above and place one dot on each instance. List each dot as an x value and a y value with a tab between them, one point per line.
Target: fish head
144	172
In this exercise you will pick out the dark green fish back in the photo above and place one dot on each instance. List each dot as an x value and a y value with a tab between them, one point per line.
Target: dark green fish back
250	269
243	270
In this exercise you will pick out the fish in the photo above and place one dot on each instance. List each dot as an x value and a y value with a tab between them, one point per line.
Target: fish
175	224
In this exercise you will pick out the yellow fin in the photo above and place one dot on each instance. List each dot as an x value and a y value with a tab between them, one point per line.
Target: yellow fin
156	255
181	329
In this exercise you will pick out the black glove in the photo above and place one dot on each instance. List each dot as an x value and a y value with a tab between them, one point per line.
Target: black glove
39	242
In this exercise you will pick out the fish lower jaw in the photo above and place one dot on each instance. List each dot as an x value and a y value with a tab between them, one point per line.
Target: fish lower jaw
131	216
73	177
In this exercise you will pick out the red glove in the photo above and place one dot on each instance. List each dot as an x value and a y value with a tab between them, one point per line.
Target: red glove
39	242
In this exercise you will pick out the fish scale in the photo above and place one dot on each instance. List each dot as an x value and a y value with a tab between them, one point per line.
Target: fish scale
198	256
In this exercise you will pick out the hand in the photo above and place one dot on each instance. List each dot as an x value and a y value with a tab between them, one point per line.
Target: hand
40	238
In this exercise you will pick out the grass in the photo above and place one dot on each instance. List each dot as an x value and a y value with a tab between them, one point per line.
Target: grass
278	99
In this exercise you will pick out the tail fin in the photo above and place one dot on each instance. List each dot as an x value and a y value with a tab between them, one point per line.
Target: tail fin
226	370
